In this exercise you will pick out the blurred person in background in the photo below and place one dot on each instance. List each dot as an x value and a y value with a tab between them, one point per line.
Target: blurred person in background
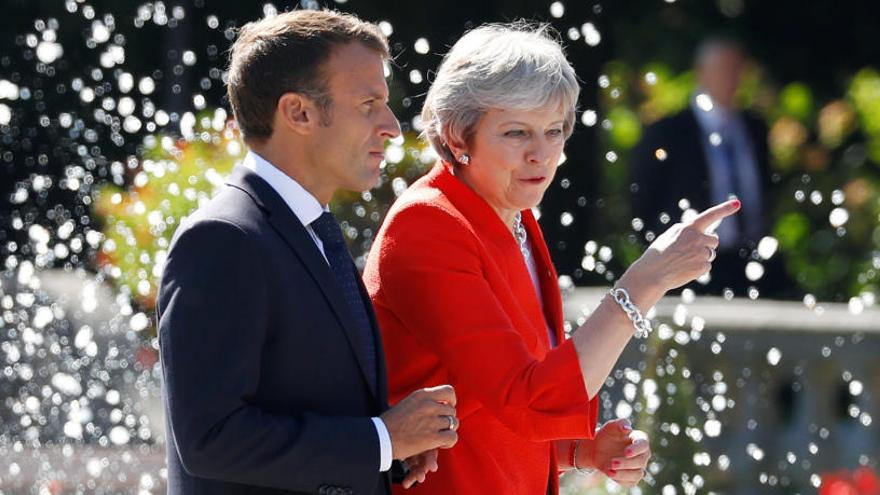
710	152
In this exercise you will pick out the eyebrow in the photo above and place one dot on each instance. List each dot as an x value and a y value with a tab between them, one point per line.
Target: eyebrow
373	93
518	122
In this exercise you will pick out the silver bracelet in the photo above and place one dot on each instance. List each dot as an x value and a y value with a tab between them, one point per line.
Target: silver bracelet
574	460
642	325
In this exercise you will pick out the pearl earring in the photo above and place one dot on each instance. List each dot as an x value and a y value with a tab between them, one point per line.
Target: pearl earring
464	159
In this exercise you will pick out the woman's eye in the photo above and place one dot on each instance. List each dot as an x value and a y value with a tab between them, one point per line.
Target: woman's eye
555	132
515	133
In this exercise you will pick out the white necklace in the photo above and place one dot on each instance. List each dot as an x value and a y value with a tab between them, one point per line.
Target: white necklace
519	233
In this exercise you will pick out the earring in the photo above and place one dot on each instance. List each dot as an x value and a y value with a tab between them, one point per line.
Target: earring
464	159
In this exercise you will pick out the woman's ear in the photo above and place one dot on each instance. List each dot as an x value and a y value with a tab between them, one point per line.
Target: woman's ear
457	146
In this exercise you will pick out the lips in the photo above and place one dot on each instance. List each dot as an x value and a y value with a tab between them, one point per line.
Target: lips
533	180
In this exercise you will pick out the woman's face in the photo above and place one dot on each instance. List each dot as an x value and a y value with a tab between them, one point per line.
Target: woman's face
513	157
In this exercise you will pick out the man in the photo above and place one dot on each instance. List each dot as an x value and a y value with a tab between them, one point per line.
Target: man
273	365
704	155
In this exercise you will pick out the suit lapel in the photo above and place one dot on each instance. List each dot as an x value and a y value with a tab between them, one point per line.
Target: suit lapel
697	174
550	293
295	235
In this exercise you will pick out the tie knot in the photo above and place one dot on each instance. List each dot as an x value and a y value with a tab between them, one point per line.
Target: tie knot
327	229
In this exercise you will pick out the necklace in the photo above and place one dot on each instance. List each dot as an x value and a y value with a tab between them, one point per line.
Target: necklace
519	233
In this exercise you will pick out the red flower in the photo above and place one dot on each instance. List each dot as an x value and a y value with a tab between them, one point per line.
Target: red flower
867	482
863	481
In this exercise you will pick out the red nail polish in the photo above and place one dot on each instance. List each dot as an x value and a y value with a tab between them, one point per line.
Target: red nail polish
627	452
737	203
612	472
615	464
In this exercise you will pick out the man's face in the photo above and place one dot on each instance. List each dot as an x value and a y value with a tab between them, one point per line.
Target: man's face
720	75
350	149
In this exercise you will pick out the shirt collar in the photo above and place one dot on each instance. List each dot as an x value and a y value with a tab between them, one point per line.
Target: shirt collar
712	120
301	202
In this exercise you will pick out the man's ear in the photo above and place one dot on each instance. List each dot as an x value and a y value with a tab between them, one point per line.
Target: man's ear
297	113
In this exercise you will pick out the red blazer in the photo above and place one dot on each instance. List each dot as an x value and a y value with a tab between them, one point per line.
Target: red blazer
456	305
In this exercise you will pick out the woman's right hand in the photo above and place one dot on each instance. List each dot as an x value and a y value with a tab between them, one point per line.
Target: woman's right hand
683	253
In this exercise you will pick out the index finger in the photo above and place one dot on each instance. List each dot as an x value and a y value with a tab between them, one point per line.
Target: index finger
715	214
442	393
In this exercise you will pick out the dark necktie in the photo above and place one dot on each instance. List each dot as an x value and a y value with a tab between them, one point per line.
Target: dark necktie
344	271
729	157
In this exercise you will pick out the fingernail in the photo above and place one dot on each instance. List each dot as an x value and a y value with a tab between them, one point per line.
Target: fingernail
627	426
615	464
627	452
737	203
612	472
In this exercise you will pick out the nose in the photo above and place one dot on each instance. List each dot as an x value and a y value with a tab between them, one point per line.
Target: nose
389	128
539	153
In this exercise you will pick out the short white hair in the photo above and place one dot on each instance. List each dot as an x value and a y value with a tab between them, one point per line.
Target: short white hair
518	66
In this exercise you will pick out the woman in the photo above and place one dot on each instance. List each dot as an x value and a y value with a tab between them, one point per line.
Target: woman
465	291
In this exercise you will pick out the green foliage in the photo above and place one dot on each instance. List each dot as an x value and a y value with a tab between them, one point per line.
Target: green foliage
173	177
669	414
796	100
170	180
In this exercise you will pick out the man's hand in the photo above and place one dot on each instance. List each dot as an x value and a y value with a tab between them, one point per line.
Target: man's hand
423	421
619	451
419	467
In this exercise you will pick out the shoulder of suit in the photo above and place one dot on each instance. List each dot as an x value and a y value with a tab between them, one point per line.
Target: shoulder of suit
231	212
672	123
754	119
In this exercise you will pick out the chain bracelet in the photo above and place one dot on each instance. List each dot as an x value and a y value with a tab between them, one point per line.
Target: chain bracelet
642	325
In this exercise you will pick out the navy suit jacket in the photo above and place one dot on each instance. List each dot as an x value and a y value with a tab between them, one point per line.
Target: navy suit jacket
658	185
264	387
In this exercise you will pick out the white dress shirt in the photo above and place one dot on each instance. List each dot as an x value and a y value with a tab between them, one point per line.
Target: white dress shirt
721	127
536	283
307	209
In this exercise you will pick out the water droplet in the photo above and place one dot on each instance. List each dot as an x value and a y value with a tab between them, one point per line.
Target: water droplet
422	46
704	102
387	28
592	37
767	247
48	52
774	355
5	114
566	219
660	154
754	452
838	217
589	118
754	270
855	387
146	86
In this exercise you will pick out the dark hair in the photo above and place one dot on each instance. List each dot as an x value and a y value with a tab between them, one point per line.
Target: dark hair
285	54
